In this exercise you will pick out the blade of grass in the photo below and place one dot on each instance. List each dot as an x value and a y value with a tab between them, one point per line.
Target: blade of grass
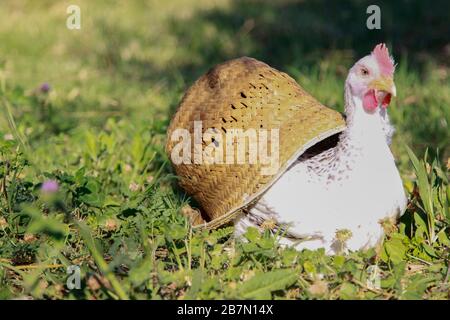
101	263
424	192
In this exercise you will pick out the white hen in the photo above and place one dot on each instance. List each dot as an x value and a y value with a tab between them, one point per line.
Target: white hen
350	187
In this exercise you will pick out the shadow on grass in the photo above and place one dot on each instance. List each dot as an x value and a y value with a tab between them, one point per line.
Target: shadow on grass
303	33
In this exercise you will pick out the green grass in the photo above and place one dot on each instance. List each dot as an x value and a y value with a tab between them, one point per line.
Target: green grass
100	133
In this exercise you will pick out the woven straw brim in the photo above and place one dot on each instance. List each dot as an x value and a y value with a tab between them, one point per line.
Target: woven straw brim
247	94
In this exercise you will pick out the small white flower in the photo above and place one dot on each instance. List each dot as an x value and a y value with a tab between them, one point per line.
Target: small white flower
133	187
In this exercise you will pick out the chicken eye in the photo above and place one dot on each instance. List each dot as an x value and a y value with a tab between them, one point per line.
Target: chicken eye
364	71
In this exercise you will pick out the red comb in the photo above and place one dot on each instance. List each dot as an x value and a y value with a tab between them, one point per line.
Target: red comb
385	62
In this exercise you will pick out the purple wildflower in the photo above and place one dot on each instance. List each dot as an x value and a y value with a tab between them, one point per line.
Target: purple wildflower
50	186
45	87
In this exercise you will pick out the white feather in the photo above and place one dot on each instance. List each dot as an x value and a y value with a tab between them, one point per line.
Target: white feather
354	190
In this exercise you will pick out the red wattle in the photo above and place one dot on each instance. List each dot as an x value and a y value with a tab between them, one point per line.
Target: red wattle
370	100
386	101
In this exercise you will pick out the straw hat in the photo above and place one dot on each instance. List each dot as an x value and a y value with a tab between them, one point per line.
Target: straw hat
242	94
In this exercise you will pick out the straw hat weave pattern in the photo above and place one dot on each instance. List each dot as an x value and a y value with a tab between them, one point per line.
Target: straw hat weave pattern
247	94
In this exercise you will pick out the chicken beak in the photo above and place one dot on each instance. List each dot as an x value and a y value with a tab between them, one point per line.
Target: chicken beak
385	84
